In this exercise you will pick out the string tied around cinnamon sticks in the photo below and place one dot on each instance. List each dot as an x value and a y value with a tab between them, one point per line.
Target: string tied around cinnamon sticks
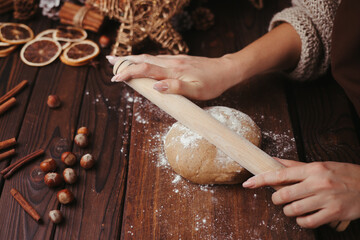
79	16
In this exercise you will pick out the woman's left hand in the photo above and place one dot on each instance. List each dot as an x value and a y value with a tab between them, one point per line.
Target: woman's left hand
315	193
200	78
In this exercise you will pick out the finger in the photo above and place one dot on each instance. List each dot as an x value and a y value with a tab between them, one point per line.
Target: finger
174	86
316	219
289	163
303	206
142	70
179	56
155	60
278	177
291	193
112	59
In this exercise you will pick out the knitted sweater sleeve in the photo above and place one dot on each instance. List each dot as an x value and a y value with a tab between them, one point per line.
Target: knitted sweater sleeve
313	21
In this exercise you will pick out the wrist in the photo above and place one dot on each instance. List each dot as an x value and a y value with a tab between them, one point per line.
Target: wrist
239	65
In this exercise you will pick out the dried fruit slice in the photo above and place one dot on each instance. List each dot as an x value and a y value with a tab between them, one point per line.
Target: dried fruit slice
70	34
49	33
15	33
64	45
6	50
80	53
4	44
40	52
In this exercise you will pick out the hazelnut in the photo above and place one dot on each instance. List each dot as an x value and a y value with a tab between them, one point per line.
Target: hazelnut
104	41
65	196
87	161
48	165
55	216
53	101
81	140
69	175
68	158
83	130
52	179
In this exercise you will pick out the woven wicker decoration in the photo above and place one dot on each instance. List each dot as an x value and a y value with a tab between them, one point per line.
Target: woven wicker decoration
143	18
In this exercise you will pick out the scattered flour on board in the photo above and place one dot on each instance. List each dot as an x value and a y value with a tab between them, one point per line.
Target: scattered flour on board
183	192
203	223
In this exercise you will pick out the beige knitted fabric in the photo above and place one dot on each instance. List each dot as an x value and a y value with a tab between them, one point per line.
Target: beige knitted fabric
313	20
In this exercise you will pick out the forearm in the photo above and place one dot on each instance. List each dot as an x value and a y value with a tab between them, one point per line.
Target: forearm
279	49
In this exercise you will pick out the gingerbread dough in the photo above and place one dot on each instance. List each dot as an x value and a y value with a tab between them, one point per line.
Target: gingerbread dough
197	160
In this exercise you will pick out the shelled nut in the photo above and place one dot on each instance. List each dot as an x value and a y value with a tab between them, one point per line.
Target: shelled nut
68	158
56	216
65	196
48	165
69	175
87	161
81	140
53	101
53	179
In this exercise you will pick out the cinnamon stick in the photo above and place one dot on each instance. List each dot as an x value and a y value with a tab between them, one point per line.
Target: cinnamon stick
7	105
7	154
13	91
10	170
7	143
25	204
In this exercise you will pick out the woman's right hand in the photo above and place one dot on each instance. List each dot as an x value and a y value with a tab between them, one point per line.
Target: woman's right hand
198	78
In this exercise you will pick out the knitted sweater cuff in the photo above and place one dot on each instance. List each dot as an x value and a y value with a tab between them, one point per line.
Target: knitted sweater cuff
310	43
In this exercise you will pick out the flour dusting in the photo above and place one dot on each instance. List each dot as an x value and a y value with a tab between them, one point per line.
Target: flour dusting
176	195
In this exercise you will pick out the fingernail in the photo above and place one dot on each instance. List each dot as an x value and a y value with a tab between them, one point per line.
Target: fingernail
249	183
111	59
116	78
160	86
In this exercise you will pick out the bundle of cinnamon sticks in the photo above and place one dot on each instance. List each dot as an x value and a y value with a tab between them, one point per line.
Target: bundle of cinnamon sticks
80	16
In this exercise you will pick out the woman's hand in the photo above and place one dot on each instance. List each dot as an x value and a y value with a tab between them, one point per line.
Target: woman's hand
315	193
199	78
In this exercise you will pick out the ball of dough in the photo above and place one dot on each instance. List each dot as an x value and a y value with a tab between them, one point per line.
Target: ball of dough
199	161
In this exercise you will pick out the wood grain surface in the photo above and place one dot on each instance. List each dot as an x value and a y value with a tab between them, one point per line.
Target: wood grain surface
132	193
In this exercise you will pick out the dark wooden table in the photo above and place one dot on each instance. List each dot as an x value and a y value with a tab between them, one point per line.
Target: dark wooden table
132	193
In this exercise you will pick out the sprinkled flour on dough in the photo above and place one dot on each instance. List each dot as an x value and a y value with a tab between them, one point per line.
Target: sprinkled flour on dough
238	122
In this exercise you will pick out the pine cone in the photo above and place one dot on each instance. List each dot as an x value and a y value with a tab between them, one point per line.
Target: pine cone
182	21
203	18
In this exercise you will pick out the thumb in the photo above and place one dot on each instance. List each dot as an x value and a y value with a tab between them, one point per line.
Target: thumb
175	86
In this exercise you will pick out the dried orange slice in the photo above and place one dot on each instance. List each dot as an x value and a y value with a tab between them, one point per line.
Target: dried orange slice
15	33
6	50
70	34
4	44
40	52
80	53
49	33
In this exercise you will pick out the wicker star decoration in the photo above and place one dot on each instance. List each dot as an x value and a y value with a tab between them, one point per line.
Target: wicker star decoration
143	18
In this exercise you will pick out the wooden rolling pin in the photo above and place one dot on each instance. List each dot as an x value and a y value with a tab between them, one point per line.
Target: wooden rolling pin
192	116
